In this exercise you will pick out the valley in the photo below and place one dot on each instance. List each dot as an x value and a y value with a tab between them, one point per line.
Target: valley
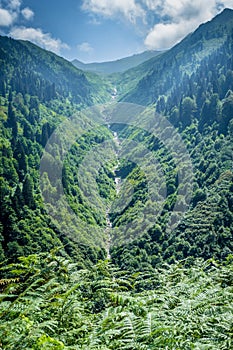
117	182
116	197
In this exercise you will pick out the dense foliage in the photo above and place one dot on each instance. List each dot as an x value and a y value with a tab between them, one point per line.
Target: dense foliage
200	106
27	68
162	290
38	91
47	303
201	57
191	85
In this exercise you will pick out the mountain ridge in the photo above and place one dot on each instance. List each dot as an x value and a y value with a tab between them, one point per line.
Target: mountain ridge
167	287
39	90
151	70
58	74
116	66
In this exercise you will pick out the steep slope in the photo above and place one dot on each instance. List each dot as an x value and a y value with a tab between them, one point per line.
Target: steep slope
30	69
166	73
60	292
117	66
196	97
39	91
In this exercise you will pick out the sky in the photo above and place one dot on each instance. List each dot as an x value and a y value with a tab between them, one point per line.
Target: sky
105	30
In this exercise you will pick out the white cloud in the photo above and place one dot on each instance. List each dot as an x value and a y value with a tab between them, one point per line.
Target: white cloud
177	19
85	47
14	4
183	9
27	13
6	18
227	3
165	35
39	38
9	12
152	4
129	9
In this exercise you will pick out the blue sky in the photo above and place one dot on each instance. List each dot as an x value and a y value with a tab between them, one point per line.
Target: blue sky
102	30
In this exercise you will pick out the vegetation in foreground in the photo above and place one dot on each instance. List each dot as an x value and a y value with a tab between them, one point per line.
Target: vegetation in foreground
49	303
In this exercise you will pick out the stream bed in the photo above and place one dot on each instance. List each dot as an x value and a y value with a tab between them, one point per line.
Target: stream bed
117	181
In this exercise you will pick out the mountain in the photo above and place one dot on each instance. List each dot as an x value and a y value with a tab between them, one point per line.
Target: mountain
30	69
38	91
192	86
117	66
163	289
166	73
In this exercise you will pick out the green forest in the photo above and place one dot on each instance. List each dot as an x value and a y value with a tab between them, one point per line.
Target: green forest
83	285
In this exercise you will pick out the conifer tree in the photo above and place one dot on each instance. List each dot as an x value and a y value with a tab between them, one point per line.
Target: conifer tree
28	192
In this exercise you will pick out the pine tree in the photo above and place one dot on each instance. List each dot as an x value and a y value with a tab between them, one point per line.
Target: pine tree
10	97
2	88
18	200
19	155
11	120
45	133
28	192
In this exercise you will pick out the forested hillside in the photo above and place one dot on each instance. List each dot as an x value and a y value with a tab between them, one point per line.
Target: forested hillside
65	285
173	71
39	90
26	68
196	96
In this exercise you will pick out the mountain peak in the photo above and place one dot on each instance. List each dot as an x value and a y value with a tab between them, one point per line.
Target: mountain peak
222	17
185	58
227	10
117	66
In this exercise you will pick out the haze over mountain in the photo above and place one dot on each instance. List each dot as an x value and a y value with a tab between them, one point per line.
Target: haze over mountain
117	66
29	68
165	74
119	269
